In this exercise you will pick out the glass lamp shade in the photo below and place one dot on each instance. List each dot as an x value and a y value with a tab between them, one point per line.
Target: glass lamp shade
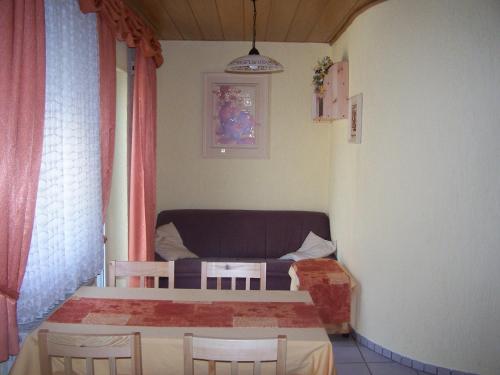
254	63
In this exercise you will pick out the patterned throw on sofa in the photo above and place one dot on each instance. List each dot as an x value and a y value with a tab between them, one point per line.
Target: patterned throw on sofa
330	287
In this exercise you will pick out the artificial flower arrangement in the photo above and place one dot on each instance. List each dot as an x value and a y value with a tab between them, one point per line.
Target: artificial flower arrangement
320	71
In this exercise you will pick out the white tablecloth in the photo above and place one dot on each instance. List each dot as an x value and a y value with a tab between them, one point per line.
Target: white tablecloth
309	350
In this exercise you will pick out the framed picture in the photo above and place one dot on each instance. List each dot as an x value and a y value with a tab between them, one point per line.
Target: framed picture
355	118
235	116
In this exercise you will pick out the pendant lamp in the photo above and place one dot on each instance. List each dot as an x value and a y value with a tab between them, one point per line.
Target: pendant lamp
254	62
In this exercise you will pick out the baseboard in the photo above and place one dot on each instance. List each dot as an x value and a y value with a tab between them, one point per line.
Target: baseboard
405	361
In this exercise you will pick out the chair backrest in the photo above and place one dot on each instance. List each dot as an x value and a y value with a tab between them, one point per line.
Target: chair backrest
233	270
142	270
90	347
213	349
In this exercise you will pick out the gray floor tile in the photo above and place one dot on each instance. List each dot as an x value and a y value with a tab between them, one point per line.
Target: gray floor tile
344	343
340	340
347	354
352	369
390	369
370	356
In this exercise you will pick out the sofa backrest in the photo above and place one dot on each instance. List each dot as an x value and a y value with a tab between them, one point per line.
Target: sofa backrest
245	233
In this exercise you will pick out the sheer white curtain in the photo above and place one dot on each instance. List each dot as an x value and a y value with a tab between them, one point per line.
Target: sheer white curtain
67	244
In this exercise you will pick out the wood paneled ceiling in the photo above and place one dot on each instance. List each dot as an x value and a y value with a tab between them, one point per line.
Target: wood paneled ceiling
315	21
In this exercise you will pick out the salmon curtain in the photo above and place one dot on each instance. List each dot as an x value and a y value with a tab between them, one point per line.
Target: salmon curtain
115	21
126	26
118	21
22	108
142	207
107	105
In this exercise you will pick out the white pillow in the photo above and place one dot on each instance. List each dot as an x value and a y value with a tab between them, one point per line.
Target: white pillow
313	247
169	245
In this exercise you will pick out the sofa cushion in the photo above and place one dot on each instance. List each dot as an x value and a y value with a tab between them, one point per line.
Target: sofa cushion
313	247
168	243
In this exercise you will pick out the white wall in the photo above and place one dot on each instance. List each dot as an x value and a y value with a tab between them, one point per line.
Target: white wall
295	176
416	207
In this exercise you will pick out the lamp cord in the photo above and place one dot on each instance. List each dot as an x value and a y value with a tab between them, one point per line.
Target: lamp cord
254	50
254	23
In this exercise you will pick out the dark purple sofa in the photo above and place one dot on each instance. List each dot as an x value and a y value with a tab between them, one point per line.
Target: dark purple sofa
244	236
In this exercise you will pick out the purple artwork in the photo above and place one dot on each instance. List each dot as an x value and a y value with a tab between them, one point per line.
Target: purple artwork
235	123
234	116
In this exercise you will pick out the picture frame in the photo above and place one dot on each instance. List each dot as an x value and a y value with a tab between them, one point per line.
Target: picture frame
235	116
355	118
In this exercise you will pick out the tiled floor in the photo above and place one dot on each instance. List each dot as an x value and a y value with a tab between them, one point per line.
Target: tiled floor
353	359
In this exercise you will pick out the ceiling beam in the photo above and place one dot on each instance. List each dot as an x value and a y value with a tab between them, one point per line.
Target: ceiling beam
356	10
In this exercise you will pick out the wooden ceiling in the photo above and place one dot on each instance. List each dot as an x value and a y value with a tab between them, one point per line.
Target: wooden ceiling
315	21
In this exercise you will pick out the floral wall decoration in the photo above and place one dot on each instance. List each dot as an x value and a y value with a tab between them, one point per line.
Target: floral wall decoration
320	71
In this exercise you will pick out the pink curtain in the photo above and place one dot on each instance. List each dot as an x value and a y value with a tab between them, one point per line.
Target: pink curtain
107	106
126	26
116	21
22	108
142	211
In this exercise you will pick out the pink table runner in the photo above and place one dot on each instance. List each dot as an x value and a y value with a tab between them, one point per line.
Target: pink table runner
164	313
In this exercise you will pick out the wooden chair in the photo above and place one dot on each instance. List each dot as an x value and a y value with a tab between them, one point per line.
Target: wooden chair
234	350
233	270
89	347
126	269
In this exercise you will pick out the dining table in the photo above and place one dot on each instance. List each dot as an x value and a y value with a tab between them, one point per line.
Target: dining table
163	316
